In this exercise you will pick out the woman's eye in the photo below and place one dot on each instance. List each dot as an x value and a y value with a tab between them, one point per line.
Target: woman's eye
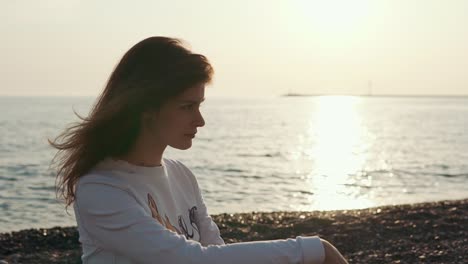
191	106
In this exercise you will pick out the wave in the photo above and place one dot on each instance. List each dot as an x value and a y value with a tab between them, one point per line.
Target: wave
446	175
266	155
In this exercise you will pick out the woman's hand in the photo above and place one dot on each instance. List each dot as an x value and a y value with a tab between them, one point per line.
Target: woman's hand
332	255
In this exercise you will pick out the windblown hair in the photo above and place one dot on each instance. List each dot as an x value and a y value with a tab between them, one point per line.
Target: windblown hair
148	75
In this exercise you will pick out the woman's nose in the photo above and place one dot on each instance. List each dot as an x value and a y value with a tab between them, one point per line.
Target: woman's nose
200	120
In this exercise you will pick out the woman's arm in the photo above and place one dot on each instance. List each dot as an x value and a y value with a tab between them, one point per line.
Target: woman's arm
117	223
332	255
209	231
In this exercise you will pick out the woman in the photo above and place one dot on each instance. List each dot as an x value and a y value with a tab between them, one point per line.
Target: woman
131	204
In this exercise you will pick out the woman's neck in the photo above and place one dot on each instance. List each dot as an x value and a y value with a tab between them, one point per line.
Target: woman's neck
144	154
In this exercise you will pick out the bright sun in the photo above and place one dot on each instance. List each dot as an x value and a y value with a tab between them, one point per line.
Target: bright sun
334	16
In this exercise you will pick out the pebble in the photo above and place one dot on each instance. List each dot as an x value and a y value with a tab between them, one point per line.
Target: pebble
418	233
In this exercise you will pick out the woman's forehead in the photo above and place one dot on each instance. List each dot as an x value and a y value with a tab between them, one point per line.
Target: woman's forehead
193	94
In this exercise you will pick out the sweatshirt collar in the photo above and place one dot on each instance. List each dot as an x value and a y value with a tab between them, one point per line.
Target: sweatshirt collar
122	165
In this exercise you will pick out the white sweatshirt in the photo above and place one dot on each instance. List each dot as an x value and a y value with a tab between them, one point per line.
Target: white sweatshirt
134	214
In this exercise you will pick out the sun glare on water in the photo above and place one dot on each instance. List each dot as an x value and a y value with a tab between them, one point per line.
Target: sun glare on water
339	154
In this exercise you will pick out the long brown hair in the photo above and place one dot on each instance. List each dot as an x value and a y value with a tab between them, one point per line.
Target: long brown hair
151	72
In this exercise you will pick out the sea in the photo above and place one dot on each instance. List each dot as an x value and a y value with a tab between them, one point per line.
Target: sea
285	153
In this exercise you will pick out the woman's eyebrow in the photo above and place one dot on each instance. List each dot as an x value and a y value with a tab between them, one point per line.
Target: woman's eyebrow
191	101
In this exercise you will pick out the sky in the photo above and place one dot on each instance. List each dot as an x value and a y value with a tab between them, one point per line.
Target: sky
258	48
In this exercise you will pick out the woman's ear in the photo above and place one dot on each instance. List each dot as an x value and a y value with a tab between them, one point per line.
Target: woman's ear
148	118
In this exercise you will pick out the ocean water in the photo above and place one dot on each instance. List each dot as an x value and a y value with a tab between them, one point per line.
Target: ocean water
264	154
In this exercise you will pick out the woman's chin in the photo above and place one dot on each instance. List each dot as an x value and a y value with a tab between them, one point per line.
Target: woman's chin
184	146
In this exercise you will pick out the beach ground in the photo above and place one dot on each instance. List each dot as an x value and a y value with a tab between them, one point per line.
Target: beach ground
416	233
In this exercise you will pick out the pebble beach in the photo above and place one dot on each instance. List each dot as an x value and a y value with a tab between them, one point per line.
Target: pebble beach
435	232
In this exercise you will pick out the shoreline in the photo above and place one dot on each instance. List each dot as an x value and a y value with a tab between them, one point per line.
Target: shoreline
433	232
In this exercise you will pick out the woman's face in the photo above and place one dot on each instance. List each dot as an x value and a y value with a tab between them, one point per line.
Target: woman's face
177	121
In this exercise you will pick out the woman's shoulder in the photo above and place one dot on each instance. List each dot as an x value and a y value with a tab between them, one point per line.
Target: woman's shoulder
174	163
102	178
178	167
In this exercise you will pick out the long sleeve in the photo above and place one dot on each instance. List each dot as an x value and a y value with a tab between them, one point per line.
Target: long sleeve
209	231
118	223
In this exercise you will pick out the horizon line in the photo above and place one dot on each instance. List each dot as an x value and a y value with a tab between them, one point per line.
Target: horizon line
279	95
374	95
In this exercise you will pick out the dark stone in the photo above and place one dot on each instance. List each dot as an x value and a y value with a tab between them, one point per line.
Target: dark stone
417	233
